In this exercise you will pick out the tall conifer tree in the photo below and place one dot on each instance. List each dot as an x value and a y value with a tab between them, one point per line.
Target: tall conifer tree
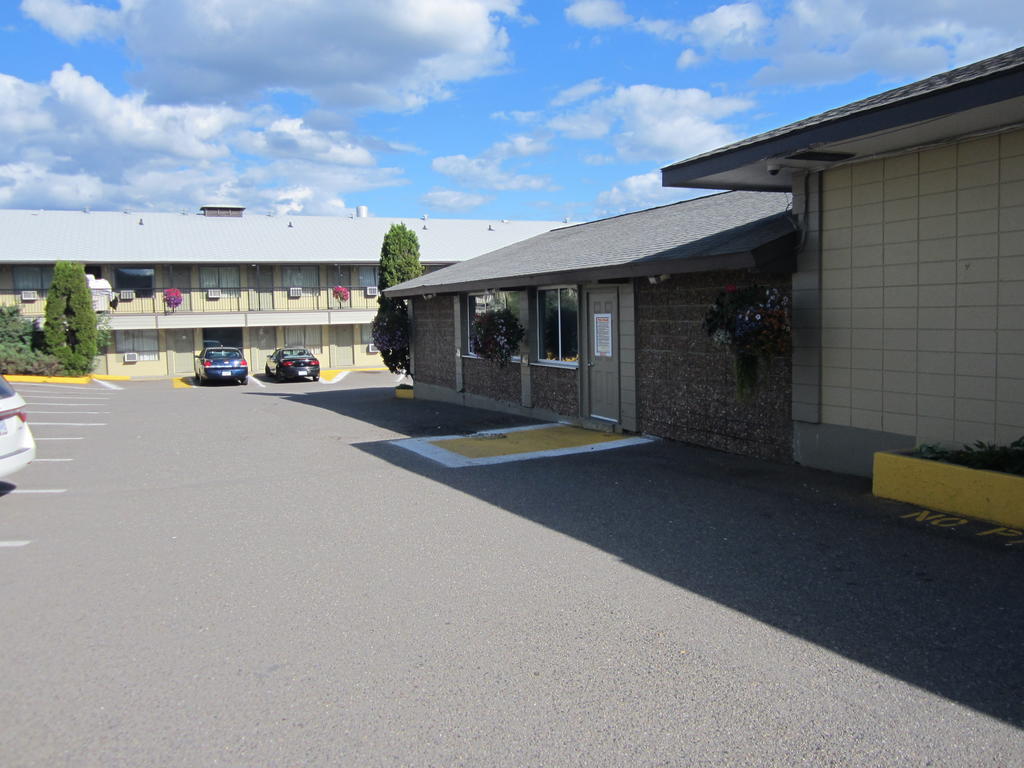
70	332
399	261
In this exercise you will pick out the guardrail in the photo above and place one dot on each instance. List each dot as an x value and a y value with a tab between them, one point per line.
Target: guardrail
204	300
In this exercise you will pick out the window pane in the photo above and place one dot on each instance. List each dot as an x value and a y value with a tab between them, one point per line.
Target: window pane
138	279
367	276
548	332
208	277
301	277
32	278
570	307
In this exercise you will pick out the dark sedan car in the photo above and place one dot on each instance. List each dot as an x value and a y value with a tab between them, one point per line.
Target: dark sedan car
293	363
220	363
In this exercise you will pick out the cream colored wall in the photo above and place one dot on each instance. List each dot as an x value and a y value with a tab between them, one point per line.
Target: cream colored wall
923	293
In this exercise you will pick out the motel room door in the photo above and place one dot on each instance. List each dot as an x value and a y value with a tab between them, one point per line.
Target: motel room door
603	353
183	346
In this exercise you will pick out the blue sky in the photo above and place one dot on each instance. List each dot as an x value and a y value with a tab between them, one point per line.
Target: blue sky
453	108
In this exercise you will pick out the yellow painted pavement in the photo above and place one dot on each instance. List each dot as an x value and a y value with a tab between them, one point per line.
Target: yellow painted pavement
525	441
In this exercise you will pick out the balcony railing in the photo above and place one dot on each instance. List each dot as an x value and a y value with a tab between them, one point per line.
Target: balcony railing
196	300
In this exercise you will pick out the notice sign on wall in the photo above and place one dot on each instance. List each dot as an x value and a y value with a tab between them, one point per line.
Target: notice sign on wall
602	334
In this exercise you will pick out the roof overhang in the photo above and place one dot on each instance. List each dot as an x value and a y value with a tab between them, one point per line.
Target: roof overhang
775	256
974	108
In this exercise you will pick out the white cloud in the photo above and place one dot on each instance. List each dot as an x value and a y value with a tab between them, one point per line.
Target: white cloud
73	21
453	200
654	123
485	173
738	26
386	54
521	117
578	92
639	192
687	58
115	151
595	14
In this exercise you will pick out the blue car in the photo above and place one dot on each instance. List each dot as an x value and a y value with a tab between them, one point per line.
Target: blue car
221	363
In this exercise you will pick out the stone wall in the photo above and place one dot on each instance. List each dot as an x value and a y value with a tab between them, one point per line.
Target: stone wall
434	341
687	386
482	377
555	389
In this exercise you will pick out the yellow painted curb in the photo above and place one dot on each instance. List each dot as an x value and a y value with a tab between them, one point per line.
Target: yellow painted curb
183	382
105	377
524	441
992	496
405	394
49	379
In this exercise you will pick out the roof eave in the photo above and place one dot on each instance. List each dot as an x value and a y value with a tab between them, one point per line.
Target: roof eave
745	166
777	256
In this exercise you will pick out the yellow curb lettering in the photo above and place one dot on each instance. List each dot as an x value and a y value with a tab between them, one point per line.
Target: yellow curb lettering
936	518
1000	531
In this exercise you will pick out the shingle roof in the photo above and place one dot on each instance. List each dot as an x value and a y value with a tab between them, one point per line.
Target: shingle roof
107	237
954	78
647	242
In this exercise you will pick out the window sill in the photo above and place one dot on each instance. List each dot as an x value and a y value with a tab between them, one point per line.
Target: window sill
555	364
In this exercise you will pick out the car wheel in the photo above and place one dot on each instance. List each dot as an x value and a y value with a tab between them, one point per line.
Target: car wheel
279	376
244	381
316	378
199	380
266	370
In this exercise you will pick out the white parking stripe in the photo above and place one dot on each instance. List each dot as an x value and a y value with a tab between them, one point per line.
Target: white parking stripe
67	424
106	384
337	378
34	461
65	413
39	490
57	438
14	543
257	382
72	402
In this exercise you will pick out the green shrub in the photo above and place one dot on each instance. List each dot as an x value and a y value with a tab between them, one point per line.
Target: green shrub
981	455
70	333
28	362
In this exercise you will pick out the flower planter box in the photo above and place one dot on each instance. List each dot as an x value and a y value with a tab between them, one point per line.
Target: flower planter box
936	485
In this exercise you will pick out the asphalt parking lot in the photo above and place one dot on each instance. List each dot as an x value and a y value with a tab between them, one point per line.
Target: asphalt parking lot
260	576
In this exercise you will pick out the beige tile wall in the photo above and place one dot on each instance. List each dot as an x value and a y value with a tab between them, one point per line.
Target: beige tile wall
923	293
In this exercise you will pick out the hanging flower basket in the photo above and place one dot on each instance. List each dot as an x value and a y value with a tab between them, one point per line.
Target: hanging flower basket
172	299
341	293
496	335
754	322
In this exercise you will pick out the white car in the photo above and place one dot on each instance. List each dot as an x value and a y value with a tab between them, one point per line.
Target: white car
17	448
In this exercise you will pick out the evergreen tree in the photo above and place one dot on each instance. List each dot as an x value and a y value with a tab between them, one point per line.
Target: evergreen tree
70	332
399	261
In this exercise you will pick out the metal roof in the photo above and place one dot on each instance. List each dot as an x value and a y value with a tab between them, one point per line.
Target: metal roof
727	230
980	97
106	237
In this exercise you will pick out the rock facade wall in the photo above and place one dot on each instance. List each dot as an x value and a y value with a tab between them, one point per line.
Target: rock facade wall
687	385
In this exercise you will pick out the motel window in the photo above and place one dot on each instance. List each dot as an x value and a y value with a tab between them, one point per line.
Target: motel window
366	276
33	278
138	279
306	277
145	343
227	279
557	329
478	303
309	336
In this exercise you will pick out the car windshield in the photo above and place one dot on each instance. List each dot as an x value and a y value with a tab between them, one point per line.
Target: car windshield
295	353
6	390
223	354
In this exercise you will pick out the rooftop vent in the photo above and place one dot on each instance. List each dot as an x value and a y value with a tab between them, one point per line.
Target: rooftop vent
362	211
230	211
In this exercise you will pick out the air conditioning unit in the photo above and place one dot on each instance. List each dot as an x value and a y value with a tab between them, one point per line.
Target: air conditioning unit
30	296
371	349
131	357
294	293
371	290
126	295
213	293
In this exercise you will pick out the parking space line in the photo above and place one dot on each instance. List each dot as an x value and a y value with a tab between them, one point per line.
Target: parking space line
36	461
107	384
336	379
57	438
73	402
257	382
68	424
14	543
39	490
64	413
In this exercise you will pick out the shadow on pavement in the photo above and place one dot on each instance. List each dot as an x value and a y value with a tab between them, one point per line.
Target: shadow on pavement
811	553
